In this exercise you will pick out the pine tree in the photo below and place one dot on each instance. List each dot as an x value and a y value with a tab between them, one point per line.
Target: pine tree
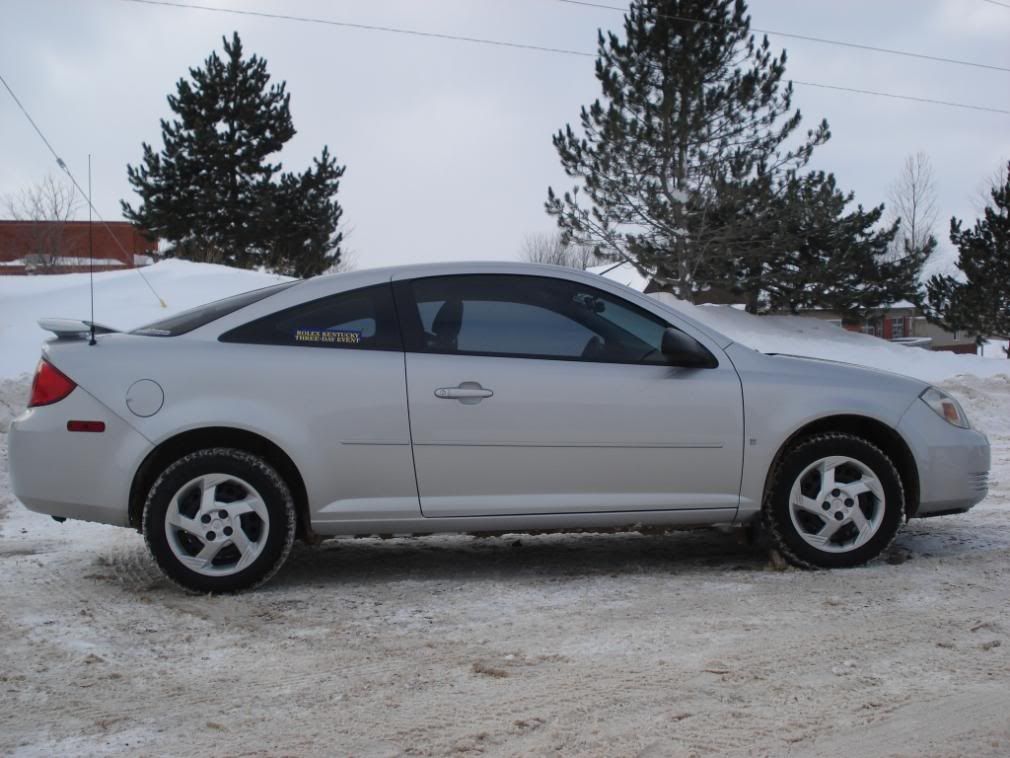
306	220
679	161
213	191
821	254
980	304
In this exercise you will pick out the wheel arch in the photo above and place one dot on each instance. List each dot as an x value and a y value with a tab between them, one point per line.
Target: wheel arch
872	430
192	440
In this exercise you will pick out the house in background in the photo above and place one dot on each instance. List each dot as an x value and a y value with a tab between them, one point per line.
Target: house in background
62	247
901	322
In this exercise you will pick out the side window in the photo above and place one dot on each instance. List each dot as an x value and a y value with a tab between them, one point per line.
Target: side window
501	327
361	319
531	317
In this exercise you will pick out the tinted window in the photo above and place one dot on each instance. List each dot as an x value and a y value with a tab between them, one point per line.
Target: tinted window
362	319
490	326
527	316
202	315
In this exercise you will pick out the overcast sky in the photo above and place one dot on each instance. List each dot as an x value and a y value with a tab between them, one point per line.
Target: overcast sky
448	144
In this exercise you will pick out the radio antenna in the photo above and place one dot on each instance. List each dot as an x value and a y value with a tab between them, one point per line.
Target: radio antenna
91	255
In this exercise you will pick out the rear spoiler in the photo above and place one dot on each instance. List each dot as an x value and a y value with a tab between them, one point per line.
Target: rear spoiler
71	328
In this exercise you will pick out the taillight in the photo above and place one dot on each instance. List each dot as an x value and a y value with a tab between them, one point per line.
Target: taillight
50	385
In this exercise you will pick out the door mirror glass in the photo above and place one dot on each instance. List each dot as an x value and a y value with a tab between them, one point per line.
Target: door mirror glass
686	352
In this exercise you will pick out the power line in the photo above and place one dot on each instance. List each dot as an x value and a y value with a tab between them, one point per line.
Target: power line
364	27
902	97
997	2
521	46
66	169
821	40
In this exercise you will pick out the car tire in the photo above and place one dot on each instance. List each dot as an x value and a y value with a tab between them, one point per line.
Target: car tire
219	520
835	501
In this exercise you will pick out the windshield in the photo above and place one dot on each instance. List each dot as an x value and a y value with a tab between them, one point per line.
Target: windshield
202	315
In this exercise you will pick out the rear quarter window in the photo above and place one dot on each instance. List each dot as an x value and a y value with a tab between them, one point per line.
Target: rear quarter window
363	319
202	315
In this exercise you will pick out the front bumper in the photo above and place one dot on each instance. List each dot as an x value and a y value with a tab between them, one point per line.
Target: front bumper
77	475
953	463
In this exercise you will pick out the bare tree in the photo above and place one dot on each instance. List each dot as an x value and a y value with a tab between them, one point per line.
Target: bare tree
551	249
348	262
45	208
982	198
914	200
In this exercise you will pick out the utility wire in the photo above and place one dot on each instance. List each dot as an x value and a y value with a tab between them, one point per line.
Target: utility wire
903	97
821	40
997	2
522	46
66	169
365	27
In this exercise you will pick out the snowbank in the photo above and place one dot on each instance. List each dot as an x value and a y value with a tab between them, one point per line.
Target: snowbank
814	338
122	300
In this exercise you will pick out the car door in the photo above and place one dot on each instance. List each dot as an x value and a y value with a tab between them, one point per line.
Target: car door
540	395
333	368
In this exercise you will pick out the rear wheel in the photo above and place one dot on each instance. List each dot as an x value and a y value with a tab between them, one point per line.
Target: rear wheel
219	520
836	501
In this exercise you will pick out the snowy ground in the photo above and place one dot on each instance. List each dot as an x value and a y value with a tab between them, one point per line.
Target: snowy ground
682	644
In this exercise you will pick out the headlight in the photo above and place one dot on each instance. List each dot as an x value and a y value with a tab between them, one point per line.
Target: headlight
945	407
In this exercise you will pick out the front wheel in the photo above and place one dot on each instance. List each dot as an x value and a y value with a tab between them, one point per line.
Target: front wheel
835	501
219	520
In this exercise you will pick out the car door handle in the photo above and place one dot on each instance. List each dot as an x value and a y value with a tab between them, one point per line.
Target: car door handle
466	392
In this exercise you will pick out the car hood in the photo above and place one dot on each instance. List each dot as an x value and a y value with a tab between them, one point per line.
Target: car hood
824	371
857	366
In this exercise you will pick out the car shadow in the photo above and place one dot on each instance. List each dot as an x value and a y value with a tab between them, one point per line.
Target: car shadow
515	556
437	558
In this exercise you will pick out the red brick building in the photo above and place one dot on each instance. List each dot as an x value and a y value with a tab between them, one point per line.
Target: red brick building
904	323
61	247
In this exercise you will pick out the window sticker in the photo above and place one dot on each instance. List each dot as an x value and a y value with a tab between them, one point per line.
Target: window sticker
327	337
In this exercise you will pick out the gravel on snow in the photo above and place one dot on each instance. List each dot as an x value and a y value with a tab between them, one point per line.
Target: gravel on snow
682	644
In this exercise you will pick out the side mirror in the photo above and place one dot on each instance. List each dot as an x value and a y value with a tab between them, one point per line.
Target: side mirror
686	352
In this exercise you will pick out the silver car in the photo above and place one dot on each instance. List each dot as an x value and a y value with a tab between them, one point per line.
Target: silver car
471	398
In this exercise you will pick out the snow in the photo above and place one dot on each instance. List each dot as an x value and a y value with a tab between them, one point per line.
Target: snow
996	348
122	300
79	261
68	261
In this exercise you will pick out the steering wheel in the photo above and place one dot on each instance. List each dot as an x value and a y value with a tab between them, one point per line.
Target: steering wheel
647	354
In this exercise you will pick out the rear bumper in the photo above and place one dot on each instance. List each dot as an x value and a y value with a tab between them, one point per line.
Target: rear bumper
77	475
953	463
